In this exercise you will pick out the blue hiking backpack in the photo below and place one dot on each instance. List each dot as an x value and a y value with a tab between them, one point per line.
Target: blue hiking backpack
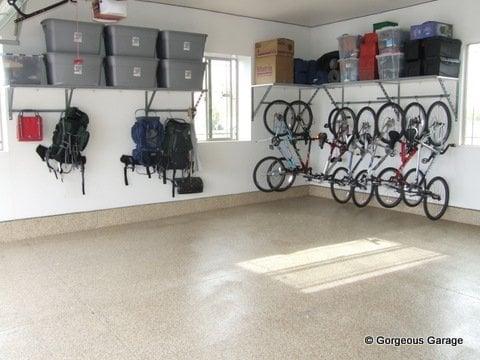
148	134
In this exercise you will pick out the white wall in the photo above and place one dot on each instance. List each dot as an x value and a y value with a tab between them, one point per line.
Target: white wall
460	166
28	190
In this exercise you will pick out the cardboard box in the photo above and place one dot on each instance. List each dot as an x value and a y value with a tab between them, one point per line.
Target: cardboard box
281	47
273	69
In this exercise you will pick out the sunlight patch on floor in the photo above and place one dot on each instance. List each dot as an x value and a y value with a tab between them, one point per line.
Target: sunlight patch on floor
330	266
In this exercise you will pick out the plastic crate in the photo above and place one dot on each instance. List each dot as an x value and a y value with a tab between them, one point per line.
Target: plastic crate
370	38
65	36
391	40
181	45
349	46
442	47
390	66
130	41
370	50
413	68
348	69
181	74
384	24
413	50
67	69
442	67
24	69
431	29
368	68
131	72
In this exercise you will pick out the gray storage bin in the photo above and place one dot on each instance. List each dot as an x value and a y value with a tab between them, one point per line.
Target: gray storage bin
66	69
23	69
63	36
131	72
181	45
130	41
181	74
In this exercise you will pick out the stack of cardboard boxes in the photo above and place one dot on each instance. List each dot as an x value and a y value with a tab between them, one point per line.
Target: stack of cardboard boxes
274	61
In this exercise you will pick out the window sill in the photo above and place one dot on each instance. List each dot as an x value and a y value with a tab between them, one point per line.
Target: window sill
223	141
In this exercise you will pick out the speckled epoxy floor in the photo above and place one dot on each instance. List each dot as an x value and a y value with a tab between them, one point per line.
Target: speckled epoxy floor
293	279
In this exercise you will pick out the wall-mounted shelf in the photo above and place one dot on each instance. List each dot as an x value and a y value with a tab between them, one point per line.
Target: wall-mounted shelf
327	88
150	94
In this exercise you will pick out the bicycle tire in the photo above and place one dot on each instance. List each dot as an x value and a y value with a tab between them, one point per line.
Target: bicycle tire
256	178
351	115
362	176
333	188
378	188
449	122
300	127
444	206
330	119
284	187
406	200
383	108
356	130
266	120
423	113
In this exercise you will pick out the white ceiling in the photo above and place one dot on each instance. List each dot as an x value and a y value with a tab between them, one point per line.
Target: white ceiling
300	12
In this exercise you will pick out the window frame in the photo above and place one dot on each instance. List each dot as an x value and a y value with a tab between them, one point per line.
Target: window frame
465	97
234	98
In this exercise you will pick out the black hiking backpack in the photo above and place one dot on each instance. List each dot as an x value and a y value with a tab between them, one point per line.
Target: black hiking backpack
178	148
70	139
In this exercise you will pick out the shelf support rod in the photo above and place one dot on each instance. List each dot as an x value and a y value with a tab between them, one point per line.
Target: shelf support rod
149	102
10	92
382	87
257	109
68	97
329	94
447	95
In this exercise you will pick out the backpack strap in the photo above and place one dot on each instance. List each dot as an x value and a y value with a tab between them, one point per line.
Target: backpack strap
173	183
129	162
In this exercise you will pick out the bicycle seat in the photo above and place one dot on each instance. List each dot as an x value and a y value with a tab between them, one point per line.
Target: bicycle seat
394	138
410	135
322	139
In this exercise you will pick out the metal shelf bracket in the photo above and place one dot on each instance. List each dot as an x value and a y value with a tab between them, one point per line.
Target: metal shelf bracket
256	109
453	105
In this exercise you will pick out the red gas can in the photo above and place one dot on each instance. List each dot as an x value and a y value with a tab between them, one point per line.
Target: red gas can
29	128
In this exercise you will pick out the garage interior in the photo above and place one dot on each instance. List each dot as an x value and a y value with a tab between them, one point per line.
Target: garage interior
236	180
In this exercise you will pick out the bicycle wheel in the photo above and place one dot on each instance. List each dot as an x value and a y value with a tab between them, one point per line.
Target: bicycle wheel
267	176
390	117
343	124
389	188
341	185
435	203
365	125
301	119
362	189
414	187
415	119
330	119
439	123
289	178
274	119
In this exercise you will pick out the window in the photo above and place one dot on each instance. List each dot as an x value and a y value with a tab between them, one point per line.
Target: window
472	99
217	114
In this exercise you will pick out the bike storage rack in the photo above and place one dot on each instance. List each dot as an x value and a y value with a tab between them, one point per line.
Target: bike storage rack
149	98
443	82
